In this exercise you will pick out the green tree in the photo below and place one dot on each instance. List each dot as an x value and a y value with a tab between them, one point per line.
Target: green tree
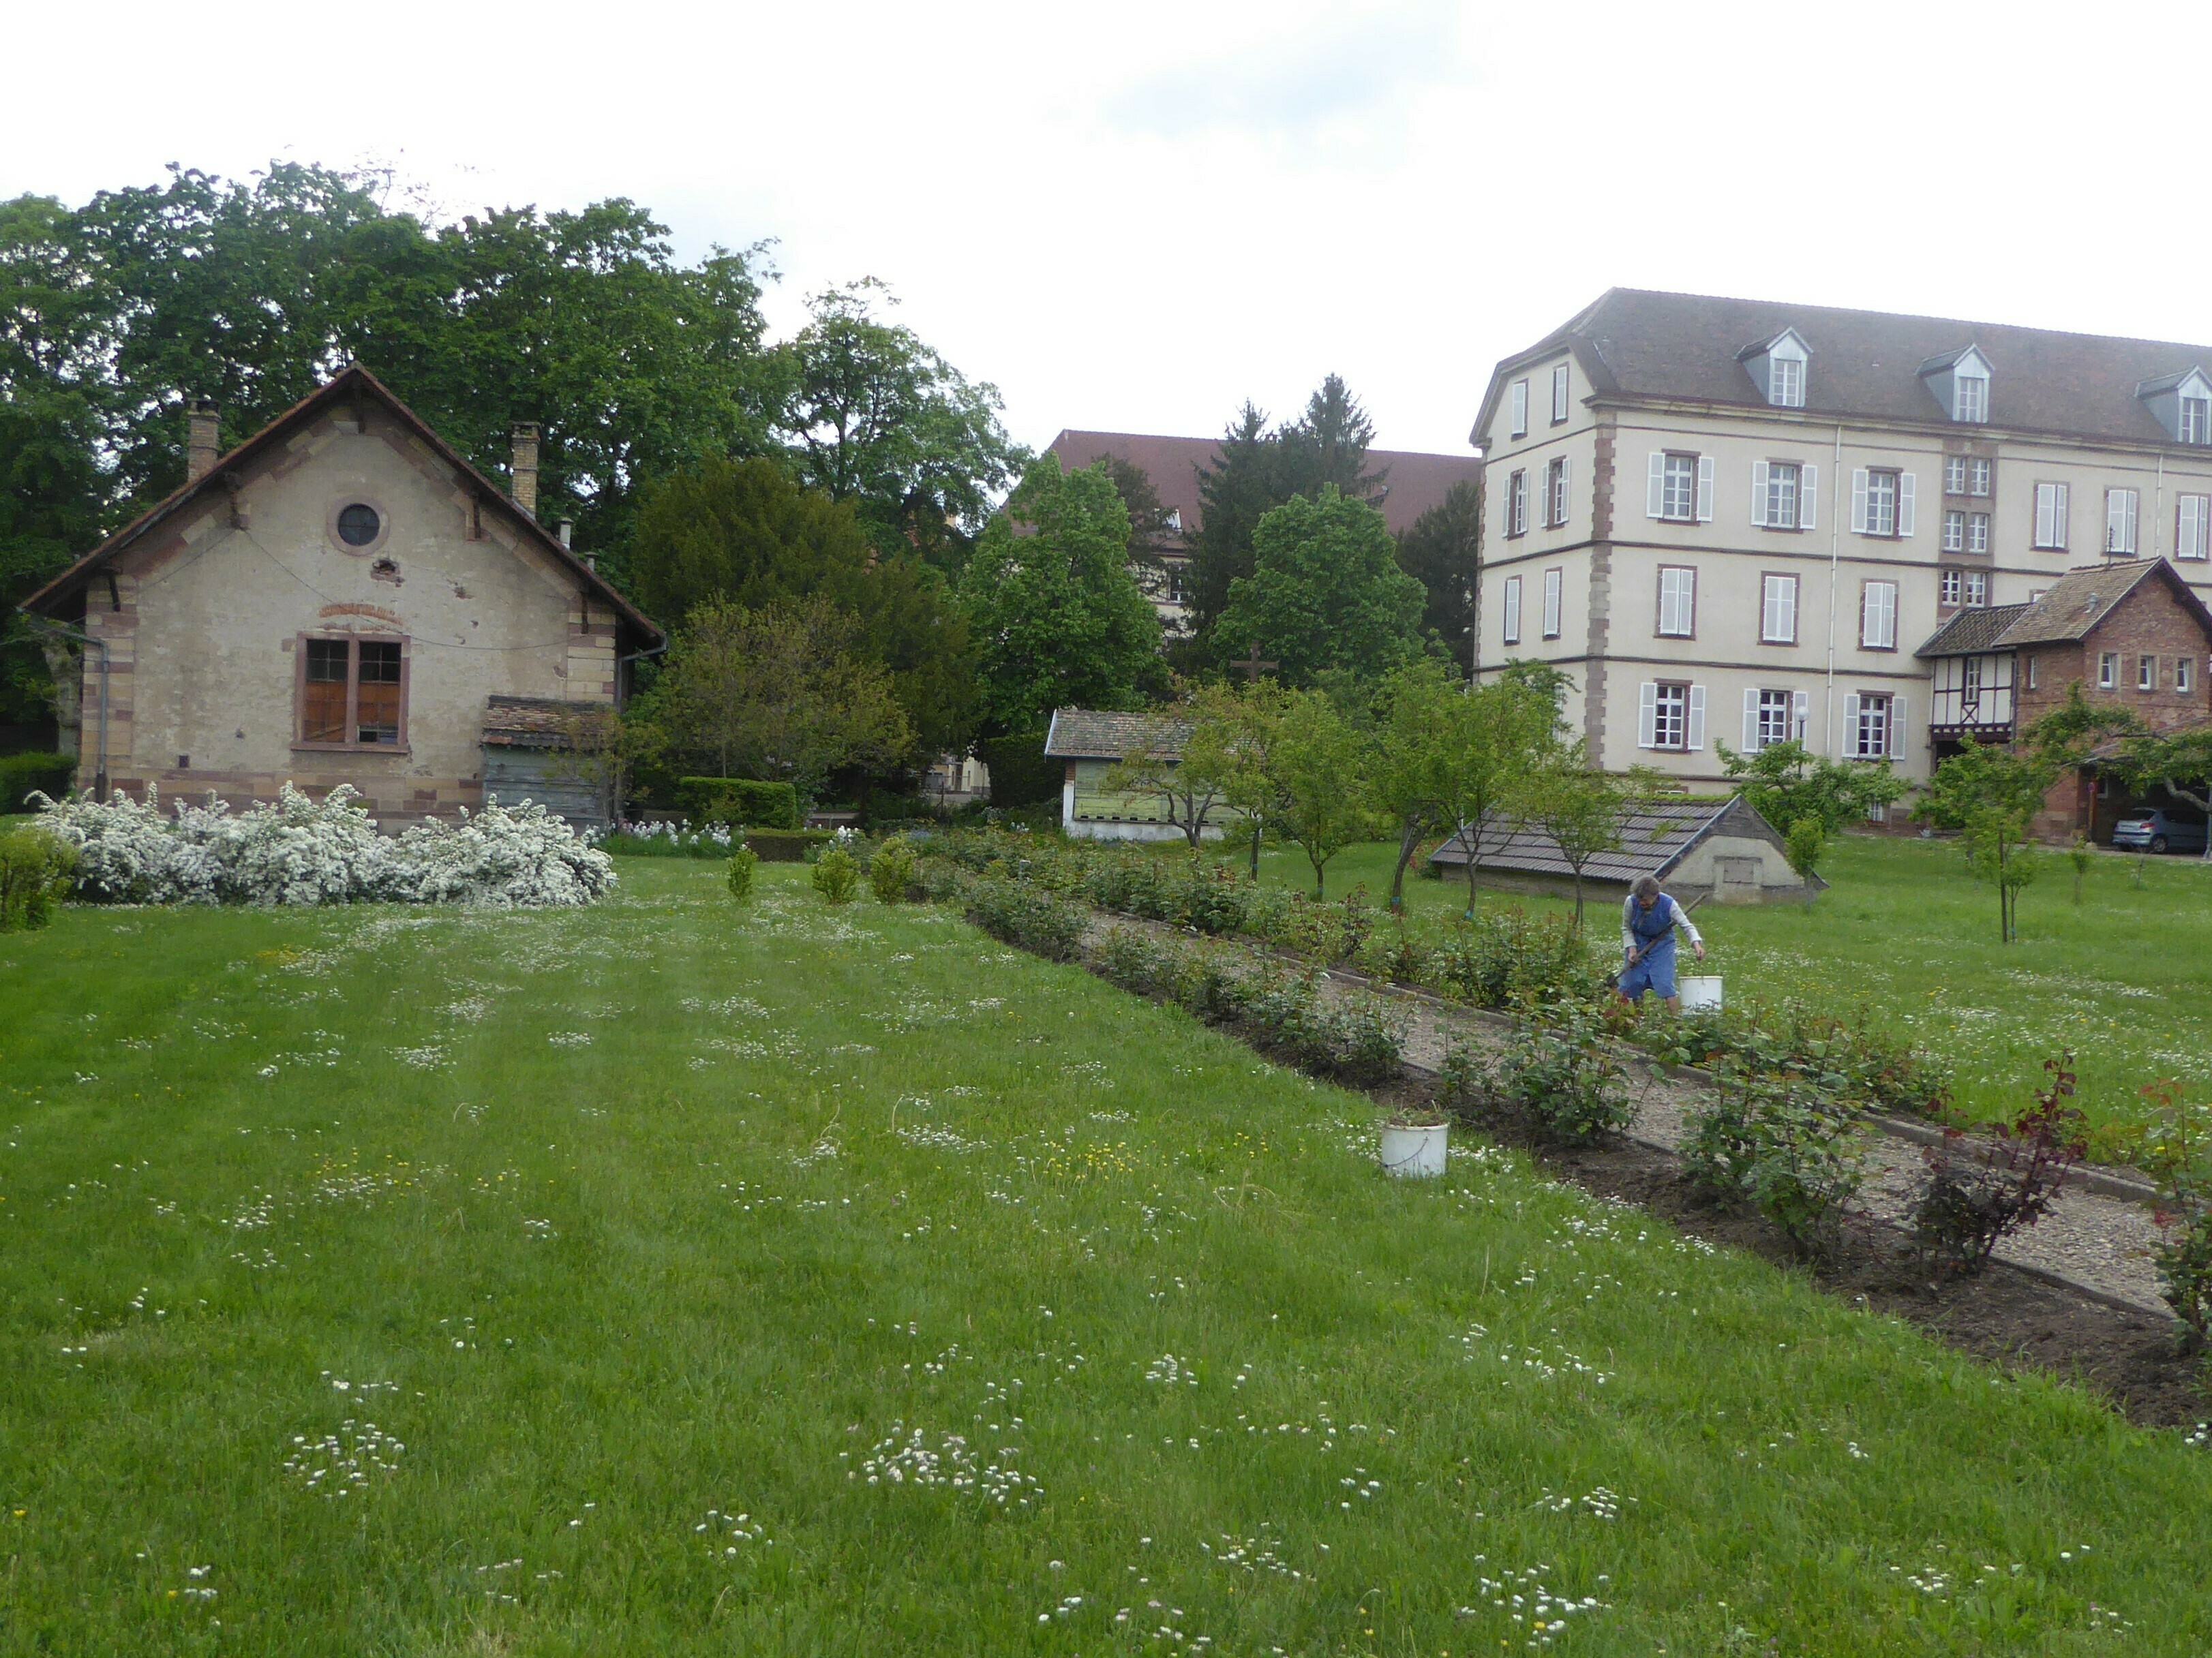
1785	781
1441	552
1583	808
1058	618
1234	733
746	532
1410	761
2179	762
878	418
778	693
1803	845
1194	785
1989	795
1503	733
1326	591
1314	765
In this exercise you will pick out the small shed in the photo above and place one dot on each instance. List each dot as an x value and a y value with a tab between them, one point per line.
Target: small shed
1721	851
525	739
1089	741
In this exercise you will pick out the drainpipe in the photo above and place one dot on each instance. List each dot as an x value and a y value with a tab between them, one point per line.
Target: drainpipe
1836	510
100	765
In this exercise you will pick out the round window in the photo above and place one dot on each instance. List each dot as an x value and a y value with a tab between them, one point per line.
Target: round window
358	525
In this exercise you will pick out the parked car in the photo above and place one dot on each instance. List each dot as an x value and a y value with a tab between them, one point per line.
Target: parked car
2156	832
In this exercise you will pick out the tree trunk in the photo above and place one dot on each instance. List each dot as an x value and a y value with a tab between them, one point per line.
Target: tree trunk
1316	863
1255	848
1809	889
1409	837
1579	898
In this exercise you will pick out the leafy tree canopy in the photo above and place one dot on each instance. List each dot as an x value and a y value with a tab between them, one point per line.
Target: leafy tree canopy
1786	782
1059	619
1439	551
1325	591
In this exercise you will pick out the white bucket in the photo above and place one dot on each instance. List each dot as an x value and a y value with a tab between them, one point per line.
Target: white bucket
1701	993
1414	1152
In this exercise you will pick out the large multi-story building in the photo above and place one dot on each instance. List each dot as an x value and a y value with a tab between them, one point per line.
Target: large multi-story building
1732	521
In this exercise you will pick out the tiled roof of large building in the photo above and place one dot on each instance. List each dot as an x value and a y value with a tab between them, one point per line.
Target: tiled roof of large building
1866	364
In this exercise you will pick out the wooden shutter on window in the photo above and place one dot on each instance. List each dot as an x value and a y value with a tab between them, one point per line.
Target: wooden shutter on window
1697	734
2047	500
1750	722
1705	489
1897	705
1655	494
1905	503
1800	707
1789	632
1858	499
1808	478
1759	492
1647	714
1850	745
1566	491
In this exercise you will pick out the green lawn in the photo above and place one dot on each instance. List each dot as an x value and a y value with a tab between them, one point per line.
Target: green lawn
1907	940
785	1280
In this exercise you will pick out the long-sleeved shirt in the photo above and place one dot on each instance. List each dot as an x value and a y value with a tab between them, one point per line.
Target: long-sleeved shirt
1674	911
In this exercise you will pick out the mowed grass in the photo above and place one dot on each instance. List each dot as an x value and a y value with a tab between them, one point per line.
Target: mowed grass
1906	940
639	1234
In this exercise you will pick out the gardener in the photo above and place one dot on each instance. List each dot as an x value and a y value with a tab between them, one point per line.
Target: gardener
1647	919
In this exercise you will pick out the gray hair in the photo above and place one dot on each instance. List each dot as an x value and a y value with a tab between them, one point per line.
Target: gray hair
1647	886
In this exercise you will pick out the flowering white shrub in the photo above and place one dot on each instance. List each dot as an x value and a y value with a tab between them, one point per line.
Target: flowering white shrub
299	851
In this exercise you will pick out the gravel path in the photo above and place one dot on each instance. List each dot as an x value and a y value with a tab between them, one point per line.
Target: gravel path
2090	1240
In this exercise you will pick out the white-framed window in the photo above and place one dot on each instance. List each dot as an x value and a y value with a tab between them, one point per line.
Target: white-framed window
1785	382
1977	589
1870	725
1882	501
1878	616
1511	613
1671	715
1680	487
1559	393
1554	584
1517	504
1978	473
1954	532
2192	519
1978	532
1774	716
1777	610
2196	420
2120	521
1678	602
2031	673
2185	674
1970	398
1555	492
1782	493
2108	671
2146	673
1954	475
1951	586
2051	513
1519	399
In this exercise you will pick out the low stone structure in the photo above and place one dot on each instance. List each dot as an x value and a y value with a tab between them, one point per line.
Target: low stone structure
1091	741
1724	852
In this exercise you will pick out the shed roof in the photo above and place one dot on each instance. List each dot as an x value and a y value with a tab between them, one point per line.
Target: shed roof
1104	734
1655	835
1972	631
1869	364
532	722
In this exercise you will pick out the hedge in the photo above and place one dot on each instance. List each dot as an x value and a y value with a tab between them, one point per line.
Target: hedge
778	845
738	800
21	773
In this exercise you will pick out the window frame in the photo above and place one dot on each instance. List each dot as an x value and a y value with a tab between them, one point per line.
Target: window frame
353	642
1659	628
2194	416
1896	477
1977	590
2061	511
1555	592
2190	506
1659	705
2108	671
1954	475
1561	391
1865	614
1954	530
2146	674
1978	532
1517	408
1869	702
1950	588
1981	477
1787	701
1974	410
1555	493
1768	589
1783	476
1688	460
1509	611
2184	675
2122	509
1781	372
1517	502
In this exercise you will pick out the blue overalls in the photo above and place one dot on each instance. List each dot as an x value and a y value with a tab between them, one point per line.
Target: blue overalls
1654	929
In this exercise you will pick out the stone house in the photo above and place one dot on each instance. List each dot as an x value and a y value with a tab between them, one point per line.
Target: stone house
1724	850
2134	636
343	598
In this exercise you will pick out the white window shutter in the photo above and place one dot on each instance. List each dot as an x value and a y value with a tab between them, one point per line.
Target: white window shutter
1858	500
1850	745
1789	629
1750	722
2061	512
2131	520
1566	489
1809	481
1705	489
1647	715
1759	492
1897	707
1905	503
1697	718
1655	497
1801	710
2046	503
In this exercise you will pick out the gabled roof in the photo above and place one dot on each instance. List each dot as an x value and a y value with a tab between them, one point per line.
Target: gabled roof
1951	359
2151	388
2074	604
1655	837
1635	344
348	386
1102	734
1972	631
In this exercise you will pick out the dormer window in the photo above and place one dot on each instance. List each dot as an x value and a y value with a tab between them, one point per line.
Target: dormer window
2182	403
2196	420
1776	367
1970	398
1959	382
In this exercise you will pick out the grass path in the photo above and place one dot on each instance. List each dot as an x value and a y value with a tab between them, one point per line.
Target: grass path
645	1235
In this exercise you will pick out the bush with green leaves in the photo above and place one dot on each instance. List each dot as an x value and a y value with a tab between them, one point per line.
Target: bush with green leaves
1505	957
1561	1071
35	871
1856	1060
2178	1152
1970	1202
23	774
1467	1086
891	870
1029	916
743	862
1792	1148
836	875
741	801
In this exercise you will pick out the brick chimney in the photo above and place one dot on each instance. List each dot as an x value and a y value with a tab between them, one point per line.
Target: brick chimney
204	441
525	467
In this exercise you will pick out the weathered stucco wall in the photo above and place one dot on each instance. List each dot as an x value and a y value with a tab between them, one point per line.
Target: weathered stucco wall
205	620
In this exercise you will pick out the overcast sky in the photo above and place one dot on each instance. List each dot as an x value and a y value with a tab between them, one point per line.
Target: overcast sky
1133	217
